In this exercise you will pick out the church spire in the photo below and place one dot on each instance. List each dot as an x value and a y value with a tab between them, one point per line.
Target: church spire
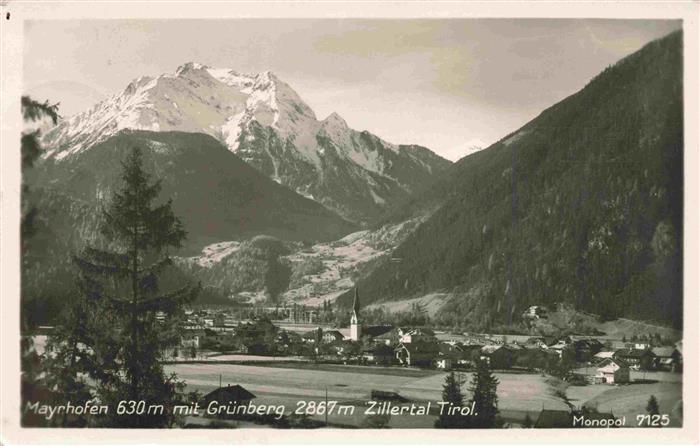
355	327
356	303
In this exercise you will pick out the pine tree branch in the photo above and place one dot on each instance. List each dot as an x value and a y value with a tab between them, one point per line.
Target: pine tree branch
33	110
170	301
157	267
113	227
104	270
107	257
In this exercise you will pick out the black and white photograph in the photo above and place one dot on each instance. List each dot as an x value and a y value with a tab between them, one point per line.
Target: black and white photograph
350	223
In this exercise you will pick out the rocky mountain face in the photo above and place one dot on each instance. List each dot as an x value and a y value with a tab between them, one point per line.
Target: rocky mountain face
583	205
262	120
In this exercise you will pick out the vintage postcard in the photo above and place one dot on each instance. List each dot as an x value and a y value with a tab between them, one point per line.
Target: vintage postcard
315	222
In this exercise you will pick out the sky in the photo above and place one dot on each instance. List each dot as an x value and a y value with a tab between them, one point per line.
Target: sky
446	84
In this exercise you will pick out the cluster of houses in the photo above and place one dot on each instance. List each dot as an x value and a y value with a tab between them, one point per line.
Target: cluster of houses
218	321
421	347
614	366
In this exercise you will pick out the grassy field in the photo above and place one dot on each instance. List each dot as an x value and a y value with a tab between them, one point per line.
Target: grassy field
288	386
631	400
412	372
352	385
518	393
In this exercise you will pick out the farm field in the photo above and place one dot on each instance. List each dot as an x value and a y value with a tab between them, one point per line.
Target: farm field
287	386
580	395
630	400
518	393
251	358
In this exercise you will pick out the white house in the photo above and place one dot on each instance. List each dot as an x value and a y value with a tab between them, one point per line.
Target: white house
407	336
535	312
443	363
331	336
613	371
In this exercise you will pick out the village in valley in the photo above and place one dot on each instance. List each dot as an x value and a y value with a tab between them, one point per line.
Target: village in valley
203	250
544	381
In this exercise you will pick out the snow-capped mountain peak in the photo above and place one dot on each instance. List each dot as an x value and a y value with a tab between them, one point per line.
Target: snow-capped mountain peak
257	116
194	98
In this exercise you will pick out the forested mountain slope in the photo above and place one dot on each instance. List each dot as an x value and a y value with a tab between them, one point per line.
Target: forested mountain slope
582	205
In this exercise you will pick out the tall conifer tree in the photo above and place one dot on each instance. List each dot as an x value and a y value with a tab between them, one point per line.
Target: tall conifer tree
452	393
652	406
32	112
124	276
483	388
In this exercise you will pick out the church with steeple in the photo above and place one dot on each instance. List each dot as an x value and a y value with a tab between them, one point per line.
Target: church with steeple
355	327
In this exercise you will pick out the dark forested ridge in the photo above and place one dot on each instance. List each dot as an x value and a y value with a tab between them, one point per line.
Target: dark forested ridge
255	265
218	195
582	205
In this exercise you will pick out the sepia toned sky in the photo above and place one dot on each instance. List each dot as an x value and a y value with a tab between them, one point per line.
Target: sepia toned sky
447	84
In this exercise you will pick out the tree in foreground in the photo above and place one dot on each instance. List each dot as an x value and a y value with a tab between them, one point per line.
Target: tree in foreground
67	359
32	388
452	393
652	406
120	284
483	387
32	112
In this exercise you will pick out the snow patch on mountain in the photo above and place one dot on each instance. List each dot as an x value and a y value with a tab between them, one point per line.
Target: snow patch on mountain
377	199
232	78
232	129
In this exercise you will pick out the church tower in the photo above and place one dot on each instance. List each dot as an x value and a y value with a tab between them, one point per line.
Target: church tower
355	328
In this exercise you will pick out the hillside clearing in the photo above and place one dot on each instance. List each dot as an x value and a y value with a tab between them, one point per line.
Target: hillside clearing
430	302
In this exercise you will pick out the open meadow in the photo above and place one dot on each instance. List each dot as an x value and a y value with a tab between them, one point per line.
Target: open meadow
630	400
278	384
